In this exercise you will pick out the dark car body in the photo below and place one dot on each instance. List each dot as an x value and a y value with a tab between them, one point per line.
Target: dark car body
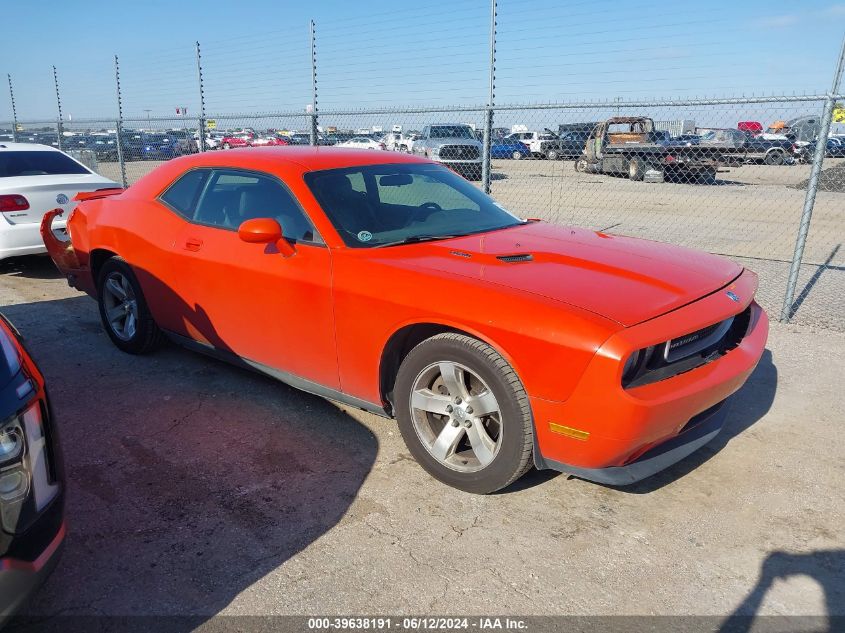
505	148
32	525
160	147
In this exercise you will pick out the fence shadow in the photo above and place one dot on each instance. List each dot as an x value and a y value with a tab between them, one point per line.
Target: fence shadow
814	279
188	480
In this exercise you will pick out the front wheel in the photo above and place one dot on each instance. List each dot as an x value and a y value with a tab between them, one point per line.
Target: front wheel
464	414
123	310
552	154
517	155
581	165
774	158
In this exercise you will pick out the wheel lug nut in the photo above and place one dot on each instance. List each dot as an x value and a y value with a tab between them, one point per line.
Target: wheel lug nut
468	424
469	409
449	408
455	423
457	401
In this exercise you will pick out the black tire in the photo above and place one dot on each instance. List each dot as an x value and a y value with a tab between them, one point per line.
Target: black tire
513	458
581	165
774	158
636	169
147	336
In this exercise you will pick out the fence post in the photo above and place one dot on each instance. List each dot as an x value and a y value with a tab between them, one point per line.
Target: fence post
59	129
812	188
488	115
14	110
314	122
119	127
201	133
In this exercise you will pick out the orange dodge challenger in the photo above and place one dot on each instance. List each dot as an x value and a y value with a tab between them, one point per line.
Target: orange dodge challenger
392	284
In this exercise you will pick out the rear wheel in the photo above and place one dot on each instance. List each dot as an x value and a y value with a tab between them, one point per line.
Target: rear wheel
517	155
552	154
464	414
123	310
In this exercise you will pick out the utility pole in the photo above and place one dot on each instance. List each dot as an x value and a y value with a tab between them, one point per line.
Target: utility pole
202	101
14	110
119	127
486	160
59	127
314	122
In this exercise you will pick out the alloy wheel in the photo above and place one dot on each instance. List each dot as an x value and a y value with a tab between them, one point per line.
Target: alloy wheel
456	416
121	306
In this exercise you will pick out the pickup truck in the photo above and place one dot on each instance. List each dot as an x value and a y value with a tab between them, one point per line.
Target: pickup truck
631	146
454	145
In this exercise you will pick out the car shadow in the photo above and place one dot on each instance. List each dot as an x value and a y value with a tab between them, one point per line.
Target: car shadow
826	567
31	267
188	480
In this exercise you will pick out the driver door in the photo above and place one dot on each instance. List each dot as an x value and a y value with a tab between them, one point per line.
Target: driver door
248	299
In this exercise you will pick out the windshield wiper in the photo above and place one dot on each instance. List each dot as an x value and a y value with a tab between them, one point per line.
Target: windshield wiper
414	239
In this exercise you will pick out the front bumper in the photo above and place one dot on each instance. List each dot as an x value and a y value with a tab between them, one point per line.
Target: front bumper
19	578
602	428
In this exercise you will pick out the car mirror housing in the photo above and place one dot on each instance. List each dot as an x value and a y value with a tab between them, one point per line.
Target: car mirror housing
265	231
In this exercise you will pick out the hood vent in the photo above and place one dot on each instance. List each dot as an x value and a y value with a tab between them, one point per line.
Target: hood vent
514	259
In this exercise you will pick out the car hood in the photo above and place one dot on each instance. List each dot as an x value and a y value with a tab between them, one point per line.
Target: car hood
625	279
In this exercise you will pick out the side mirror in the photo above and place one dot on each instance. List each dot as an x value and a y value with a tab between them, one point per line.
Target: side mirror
265	231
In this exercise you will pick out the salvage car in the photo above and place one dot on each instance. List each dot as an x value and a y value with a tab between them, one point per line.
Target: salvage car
32	527
387	282
34	179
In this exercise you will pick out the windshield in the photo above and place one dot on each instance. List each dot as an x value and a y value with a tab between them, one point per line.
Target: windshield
37	164
451	131
376	205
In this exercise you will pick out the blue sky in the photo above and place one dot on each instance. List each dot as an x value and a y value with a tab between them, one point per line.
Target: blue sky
381	52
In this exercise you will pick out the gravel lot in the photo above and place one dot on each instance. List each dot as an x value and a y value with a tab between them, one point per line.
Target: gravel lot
751	214
195	487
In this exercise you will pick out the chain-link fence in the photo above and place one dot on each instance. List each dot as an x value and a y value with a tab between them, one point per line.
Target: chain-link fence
732	176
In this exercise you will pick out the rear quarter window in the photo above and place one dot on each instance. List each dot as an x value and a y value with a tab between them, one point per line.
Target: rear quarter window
182	195
35	163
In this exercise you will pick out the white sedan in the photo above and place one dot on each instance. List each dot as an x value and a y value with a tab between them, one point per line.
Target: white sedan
362	142
33	180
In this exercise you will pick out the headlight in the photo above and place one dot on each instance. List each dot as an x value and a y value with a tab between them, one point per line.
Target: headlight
11	443
631	366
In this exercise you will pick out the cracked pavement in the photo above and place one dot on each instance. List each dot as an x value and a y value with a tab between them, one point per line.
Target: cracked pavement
199	488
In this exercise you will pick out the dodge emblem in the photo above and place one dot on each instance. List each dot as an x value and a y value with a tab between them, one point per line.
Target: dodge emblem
732	296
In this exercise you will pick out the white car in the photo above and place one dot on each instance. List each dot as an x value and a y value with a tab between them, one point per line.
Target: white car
33	180
362	142
399	142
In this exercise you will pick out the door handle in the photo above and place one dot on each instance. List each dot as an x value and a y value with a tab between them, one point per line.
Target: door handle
193	244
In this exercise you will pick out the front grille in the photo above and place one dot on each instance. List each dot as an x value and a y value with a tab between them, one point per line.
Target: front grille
689	351
459	152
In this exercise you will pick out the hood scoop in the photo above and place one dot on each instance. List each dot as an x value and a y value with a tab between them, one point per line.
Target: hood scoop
515	258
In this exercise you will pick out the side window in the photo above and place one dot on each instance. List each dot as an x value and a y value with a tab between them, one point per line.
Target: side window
183	194
231	197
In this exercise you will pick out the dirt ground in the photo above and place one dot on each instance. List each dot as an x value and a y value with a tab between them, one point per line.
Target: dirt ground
198	488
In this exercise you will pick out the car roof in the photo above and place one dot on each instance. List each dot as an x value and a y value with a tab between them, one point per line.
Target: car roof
26	147
305	156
